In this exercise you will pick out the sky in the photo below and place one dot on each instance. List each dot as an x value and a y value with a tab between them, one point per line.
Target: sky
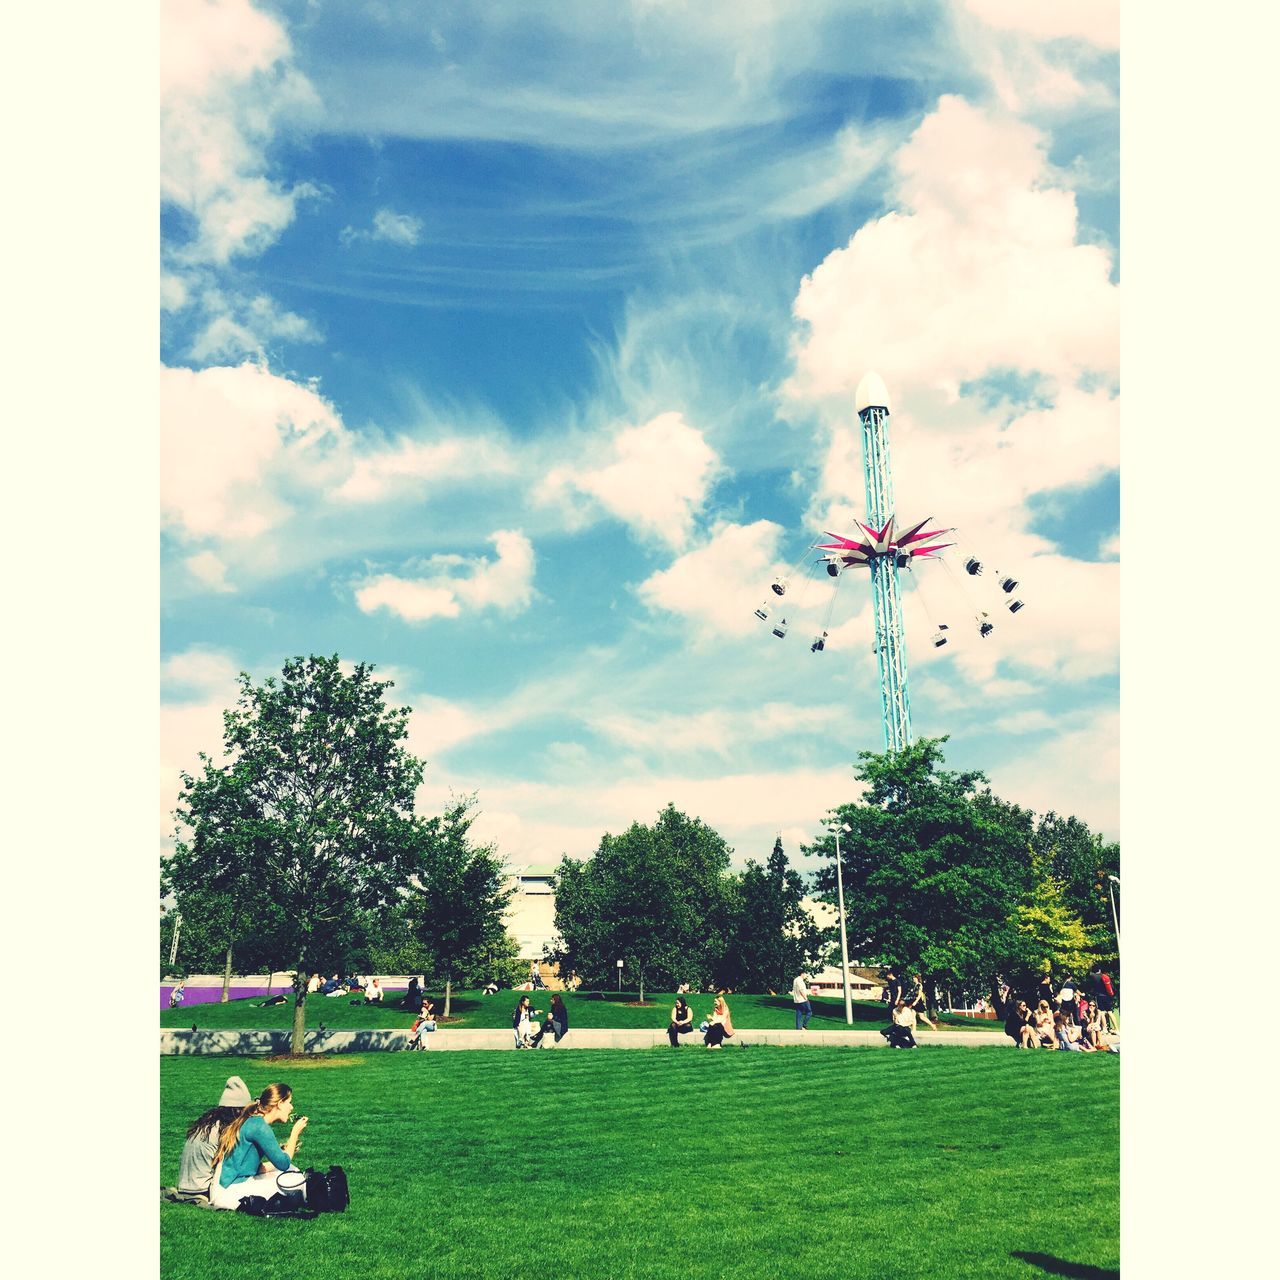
513	349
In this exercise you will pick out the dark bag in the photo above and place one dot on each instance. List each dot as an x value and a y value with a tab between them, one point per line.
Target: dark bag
284	1204
326	1192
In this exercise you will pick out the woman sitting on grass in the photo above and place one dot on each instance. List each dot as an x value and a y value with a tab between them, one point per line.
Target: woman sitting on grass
1069	1035
901	1032
719	1025
200	1151
247	1143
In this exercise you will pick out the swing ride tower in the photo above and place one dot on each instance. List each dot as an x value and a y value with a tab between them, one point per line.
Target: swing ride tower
872	403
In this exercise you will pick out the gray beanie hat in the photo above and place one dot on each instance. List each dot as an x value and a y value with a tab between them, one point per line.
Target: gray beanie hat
236	1094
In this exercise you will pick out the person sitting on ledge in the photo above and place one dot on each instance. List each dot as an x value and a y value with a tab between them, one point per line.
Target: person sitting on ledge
719	1025
681	1021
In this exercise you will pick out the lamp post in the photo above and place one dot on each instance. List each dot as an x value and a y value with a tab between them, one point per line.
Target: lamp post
836	829
619	964
1115	920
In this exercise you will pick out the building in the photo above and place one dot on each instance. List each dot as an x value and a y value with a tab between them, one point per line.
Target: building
531	914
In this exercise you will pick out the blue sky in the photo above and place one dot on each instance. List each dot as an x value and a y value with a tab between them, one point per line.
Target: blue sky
513	350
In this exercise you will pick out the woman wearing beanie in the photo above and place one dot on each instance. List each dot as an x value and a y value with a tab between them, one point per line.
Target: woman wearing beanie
195	1169
247	1141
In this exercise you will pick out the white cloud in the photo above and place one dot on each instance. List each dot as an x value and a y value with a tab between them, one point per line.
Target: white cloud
1075	771
200	671
504	584
236	442
657	482
977	271
236	326
532	819
1097	21
717	584
409	463
388	226
227	85
209	570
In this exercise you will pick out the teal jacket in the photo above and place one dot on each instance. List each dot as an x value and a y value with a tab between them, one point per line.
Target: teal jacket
254	1143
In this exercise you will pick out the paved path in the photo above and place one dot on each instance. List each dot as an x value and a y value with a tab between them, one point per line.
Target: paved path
173	1041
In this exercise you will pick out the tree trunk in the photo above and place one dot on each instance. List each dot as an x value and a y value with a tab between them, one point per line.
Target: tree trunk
270	980
226	980
448	993
642	986
298	1042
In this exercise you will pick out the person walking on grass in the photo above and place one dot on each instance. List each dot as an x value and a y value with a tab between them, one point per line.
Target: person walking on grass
918	1002
800	998
681	1021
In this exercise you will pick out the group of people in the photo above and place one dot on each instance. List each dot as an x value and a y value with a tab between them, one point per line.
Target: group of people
230	1151
716	1028
368	988
908	1006
523	1024
1073	1019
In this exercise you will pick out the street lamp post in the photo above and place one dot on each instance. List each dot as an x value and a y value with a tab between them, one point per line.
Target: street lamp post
1115	920
619	963
844	940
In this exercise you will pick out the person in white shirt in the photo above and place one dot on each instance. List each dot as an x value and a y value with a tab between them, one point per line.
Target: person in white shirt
800	998
373	991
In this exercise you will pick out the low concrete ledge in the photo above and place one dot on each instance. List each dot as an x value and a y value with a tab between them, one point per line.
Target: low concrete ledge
249	1043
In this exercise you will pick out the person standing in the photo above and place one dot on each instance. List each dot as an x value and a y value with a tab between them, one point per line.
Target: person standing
893	990
800	998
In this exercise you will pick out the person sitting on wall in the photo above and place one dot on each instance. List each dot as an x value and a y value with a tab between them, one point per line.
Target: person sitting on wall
681	1021
177	995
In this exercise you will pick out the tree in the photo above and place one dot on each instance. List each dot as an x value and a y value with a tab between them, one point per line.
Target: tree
1052	936
652	897
312	813
933	867
771	937
456	914
1081	860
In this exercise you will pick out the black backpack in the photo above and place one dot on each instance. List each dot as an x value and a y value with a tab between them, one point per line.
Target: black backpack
316	1193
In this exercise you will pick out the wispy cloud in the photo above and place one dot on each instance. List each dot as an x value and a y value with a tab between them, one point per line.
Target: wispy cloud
388	226
450	584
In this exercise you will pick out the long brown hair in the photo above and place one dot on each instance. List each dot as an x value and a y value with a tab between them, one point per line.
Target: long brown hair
203	1127
271	1096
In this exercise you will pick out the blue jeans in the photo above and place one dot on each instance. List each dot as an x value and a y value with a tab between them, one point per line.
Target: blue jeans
803	1013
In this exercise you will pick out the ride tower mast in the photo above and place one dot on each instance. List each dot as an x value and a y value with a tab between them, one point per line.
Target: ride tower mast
871	399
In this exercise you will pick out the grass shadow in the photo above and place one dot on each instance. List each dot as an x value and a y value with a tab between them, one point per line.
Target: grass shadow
1060	1267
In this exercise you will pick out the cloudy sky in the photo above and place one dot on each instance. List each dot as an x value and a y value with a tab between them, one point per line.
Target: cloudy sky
512	348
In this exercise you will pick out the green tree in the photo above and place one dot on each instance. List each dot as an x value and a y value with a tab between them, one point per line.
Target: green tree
456	913
934	866
653	897
1081	860
312	813
771	936
1051	935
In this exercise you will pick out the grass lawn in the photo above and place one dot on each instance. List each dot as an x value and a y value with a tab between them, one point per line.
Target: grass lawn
471	1009
796	1162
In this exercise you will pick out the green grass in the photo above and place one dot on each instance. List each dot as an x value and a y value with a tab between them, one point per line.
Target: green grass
473	1010
795	1162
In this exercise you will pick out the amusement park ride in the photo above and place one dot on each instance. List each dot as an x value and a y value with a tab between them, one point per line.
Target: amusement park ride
884	551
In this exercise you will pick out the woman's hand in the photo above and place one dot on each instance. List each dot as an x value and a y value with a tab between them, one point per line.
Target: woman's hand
298	1125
